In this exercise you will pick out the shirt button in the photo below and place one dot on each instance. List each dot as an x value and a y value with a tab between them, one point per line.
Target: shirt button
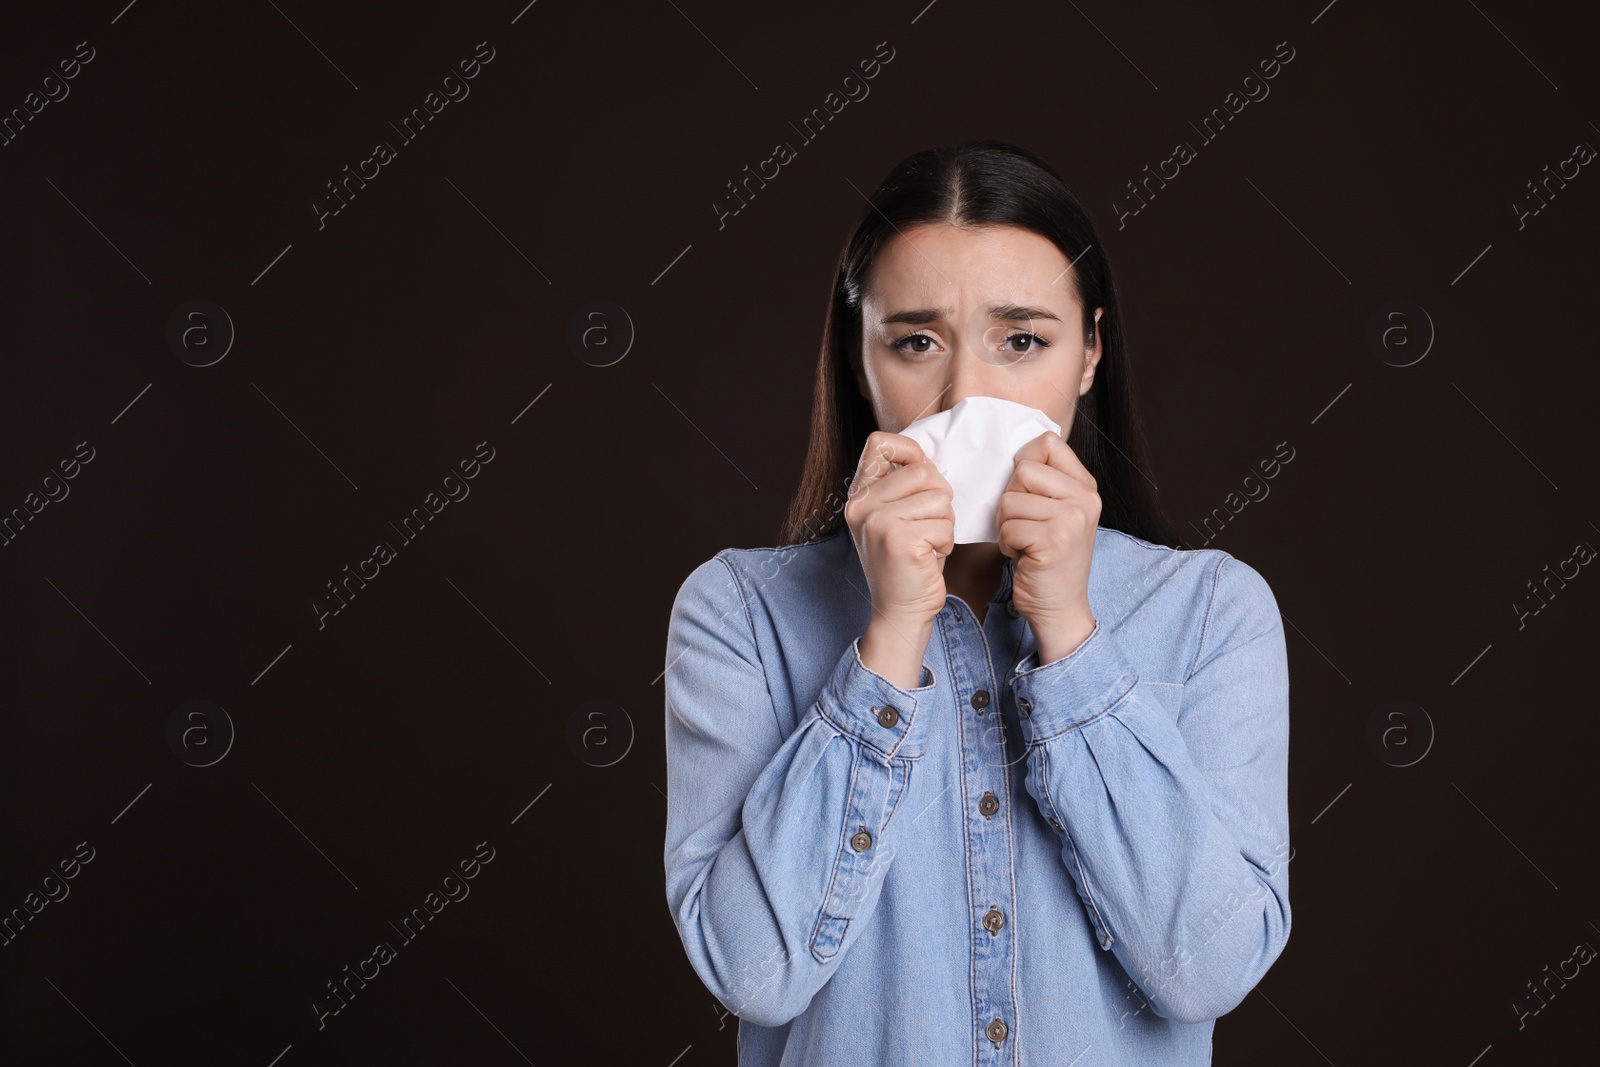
993	920
980	699
888	716
988	804
1056	826
1011	609
1024	705
861	840
996	1031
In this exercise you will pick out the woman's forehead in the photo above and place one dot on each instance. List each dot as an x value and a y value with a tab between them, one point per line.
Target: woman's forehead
964	277
937	265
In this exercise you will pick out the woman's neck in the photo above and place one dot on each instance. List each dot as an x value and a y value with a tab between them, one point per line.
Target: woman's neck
973	571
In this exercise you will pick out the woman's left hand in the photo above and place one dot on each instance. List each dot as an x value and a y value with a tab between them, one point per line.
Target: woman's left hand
1047	518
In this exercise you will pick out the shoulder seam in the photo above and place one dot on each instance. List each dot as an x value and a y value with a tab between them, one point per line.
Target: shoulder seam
1205	627
1141	542
738	584
750	622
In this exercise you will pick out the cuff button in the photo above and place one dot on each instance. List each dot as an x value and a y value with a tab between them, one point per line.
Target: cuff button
888	716
1025	705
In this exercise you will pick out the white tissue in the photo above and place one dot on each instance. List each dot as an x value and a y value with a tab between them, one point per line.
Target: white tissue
974	445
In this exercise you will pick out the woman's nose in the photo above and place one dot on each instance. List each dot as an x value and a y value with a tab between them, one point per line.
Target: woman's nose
970	372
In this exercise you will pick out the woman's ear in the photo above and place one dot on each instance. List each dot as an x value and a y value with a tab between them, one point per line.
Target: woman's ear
1091	355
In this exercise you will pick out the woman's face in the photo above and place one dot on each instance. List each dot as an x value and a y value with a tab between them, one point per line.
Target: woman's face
951	312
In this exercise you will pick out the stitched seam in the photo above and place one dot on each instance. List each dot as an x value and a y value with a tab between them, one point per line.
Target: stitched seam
1088	891
994	694
911	717
844	729
1067	660
1141	542
1093	718
993	679
1044	781
838	863
893	751
845	732
905	786
1093	907
944	640
1011	856
749	620
963	724
1205	627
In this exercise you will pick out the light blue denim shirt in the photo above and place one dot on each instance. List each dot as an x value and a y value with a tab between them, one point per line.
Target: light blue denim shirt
1082	862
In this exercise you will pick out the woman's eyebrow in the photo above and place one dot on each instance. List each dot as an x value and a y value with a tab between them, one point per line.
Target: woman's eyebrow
1019	312
1009	312
915	318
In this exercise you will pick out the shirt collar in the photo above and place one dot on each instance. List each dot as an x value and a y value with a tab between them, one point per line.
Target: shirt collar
1008	568
1007	572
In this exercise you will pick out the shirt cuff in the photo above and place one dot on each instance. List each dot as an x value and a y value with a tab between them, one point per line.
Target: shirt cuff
1072	691
864	704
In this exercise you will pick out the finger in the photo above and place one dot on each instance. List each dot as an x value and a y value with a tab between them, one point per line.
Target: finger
1038	448
883	448
933	476
927	504
1015	504
1060	455
880	454
912	478
1035	476
937	534
1020	536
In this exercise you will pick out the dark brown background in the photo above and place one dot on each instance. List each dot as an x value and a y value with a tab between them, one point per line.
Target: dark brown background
378	351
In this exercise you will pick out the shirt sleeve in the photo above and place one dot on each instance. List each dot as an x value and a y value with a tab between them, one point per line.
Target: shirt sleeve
776	847
1175	833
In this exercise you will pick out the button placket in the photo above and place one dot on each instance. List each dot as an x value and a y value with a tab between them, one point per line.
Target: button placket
984	770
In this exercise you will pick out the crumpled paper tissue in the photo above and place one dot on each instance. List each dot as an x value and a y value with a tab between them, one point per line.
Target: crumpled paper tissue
974	445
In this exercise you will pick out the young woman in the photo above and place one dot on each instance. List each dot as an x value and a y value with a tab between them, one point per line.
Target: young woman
949	804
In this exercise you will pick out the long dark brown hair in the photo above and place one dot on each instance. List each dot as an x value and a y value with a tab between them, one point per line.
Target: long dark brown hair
977	183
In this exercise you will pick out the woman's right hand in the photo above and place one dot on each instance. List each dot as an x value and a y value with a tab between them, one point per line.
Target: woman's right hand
903	521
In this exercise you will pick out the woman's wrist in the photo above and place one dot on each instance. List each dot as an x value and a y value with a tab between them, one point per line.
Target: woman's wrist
894	649
1059	640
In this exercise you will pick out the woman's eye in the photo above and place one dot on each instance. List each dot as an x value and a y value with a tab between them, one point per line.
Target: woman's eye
907	343
1031	342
